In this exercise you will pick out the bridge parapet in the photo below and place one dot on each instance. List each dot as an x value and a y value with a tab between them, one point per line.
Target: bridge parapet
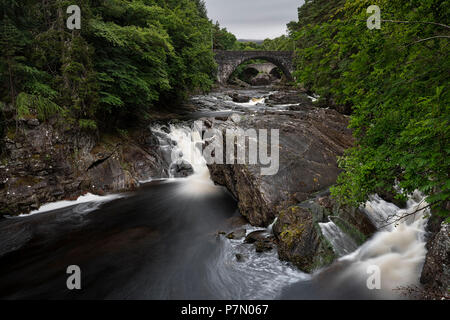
228	61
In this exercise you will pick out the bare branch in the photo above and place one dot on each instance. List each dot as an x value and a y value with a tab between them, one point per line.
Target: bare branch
412	22
397	218
424	22
430	38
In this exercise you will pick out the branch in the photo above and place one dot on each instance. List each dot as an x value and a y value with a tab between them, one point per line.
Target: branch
425	22
400	218
430	38
411	22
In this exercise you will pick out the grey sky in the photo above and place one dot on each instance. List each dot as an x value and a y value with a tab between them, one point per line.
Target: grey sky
254	19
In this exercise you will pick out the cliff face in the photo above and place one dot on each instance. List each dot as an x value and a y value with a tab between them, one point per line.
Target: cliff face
44	164
311	140
436	270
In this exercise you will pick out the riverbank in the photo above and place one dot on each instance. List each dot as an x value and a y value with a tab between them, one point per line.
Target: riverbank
310	230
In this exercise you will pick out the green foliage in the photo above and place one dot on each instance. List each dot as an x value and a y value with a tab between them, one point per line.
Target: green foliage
282	43
2	126
222	39
239	72
87	124
129	57
396	85
35	105
247	46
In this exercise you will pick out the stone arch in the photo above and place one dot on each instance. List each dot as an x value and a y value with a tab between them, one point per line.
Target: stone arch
228	61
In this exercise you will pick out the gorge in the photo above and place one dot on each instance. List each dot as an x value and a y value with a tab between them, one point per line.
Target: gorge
130	245
146	153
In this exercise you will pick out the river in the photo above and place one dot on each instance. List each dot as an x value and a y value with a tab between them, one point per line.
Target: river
162	242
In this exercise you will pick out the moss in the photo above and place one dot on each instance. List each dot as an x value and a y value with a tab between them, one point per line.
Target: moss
351	231
11	133
295	209
325	254
125	166
288	235
26	181
323	259
292	231
3	160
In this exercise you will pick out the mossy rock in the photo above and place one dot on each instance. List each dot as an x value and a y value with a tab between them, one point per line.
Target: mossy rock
300	240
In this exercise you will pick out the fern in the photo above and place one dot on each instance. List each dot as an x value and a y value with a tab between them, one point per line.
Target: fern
87	124
28	105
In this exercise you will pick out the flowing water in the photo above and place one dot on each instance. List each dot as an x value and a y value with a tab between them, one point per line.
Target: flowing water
162	242
397	251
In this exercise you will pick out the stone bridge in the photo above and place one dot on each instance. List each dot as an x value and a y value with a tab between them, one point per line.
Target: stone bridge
228	61
262	67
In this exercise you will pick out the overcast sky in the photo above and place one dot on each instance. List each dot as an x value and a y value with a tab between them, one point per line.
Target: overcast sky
254	19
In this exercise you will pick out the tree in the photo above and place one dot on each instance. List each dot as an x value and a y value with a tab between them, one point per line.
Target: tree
396	86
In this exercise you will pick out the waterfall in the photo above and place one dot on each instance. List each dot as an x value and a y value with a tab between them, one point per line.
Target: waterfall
341	242
186	146
260	276
398	249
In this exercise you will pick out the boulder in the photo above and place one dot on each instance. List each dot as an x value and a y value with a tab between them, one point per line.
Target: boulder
240	98
288	97
46	163
240	257
300	240
239	83
310	141
436	270
257	236
237	235
261	79
263	246
181	169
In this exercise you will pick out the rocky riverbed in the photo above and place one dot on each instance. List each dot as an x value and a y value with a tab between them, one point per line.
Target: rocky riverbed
45	163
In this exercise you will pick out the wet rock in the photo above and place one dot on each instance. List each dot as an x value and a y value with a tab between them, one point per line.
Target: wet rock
33	123
257	236
262	240
240	257
299	236
288	97
151	139
45	164
310	141
236	222
181	169
436	270
261	80
263	246
240	83
237	235
300	241
240	98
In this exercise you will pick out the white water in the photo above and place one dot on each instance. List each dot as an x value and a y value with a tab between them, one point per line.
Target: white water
85	199
252	102
341	242
398	250
314	98
260	276
188	147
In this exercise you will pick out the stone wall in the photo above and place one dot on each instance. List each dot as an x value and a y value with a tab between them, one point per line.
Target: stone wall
228	61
